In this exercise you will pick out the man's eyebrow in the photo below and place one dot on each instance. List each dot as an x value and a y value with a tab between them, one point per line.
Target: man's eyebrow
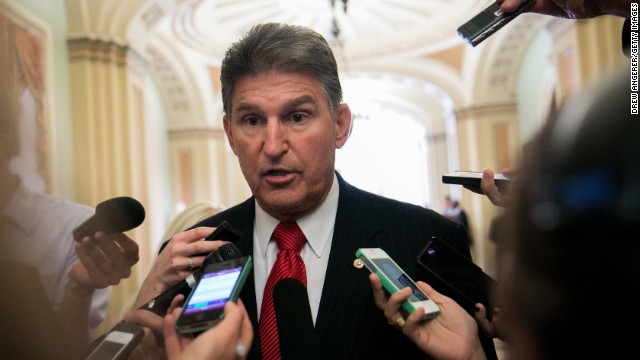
242	106
305	99
291	104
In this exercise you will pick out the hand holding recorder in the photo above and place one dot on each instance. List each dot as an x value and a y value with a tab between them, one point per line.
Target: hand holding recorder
572	9
104	260
184	253
105	253
160	304
500	13
490	20
494	185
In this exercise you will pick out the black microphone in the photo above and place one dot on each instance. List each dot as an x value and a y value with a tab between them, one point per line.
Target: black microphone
161	303
115	215
295	322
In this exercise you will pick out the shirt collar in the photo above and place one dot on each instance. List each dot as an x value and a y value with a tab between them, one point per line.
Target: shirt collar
317	226
20	209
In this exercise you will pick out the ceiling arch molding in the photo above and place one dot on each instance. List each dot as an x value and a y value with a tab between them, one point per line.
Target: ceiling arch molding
496	72
425	70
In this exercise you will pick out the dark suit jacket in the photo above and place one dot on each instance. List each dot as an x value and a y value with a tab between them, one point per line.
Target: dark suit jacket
349	325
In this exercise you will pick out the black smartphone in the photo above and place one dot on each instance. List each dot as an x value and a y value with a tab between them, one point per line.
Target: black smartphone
457	275
118	343
488	21
220	282
225	232
472	178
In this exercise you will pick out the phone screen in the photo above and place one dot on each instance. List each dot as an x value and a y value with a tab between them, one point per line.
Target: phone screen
399	278
213	290
220	282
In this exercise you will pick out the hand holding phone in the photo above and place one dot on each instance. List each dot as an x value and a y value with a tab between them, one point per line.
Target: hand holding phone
394	279
224	232
488	21
472	178
220	282
118	343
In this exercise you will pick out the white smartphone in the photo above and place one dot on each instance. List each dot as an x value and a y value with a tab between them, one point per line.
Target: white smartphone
118	343
220	282
394	279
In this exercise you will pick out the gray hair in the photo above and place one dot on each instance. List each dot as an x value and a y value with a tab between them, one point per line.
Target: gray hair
284	48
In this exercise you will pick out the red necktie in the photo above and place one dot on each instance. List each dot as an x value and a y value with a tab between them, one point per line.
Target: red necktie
289	264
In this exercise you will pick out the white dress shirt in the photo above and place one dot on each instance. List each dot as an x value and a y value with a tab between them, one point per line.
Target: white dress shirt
317	228
37	230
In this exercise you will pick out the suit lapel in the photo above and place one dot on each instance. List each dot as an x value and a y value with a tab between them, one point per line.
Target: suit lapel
346	293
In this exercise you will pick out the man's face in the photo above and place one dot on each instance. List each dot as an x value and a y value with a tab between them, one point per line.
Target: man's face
285	138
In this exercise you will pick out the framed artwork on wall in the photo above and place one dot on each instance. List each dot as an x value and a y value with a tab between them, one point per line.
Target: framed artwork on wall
23	57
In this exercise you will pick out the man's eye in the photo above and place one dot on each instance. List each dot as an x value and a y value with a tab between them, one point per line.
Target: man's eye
297	117
251	120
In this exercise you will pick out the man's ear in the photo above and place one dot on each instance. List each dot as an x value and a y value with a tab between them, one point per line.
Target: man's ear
343	125
229	133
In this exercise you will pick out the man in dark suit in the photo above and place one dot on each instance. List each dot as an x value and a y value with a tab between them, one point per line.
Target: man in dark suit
284	119
348	325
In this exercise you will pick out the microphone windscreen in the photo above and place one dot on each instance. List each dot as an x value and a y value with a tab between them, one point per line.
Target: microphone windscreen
226	251
229	251
295	322
119	214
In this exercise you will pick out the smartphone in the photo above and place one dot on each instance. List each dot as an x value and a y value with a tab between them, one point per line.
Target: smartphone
220	282
488	21
225	232
459	277
118	343
472	178
393	279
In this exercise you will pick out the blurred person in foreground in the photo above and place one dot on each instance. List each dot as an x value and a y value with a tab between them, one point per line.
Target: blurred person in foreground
56	289
567	248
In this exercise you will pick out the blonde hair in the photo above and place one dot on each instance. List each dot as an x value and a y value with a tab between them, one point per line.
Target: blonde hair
189	217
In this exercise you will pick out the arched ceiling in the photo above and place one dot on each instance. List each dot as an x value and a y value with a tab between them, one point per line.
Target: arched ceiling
187	38
366	28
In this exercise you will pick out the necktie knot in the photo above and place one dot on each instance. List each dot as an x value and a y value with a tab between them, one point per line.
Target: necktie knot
289	236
